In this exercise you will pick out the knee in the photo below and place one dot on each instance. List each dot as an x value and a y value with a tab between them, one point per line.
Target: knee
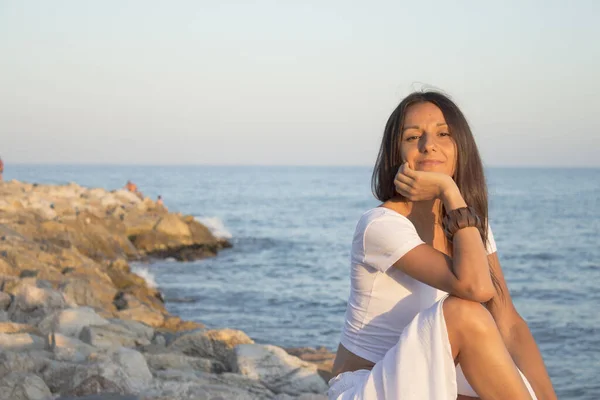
468	316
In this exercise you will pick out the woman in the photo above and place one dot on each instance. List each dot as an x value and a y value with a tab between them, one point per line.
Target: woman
422	264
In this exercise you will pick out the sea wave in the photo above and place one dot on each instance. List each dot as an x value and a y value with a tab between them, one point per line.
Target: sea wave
216	226
146	274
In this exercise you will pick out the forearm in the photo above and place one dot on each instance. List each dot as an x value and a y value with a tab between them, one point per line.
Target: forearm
470	264
526	355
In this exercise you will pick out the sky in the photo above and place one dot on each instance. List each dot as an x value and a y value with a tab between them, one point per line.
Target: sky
292	82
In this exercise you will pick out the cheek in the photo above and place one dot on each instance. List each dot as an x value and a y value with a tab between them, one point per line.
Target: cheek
408	152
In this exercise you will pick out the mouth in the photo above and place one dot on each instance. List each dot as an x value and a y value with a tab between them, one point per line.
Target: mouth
427	163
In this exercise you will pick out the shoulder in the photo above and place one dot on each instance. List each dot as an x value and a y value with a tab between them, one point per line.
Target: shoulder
379	217
382	223
382	237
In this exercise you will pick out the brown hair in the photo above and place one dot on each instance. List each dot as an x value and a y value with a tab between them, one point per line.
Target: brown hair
468	174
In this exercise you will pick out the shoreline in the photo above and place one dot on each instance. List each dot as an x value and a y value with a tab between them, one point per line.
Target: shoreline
86	323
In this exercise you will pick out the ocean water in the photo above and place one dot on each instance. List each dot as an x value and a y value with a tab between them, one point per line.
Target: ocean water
285	281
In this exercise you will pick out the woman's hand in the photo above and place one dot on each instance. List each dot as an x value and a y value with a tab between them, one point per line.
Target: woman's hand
421	185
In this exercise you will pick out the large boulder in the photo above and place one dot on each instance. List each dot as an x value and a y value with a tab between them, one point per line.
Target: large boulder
5	300
321	357
278	370
112	336
124	371
21	341
71	321
173	225
65	348
170	361
143	314
14	327
89	291
218	344
30	361
31	304
23	386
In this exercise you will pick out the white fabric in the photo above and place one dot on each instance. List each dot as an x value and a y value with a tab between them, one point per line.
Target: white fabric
383	302
419	367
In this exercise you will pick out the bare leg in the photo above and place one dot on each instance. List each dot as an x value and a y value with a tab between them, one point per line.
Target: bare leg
477	345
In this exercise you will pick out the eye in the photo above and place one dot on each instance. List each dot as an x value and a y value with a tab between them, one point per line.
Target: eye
444	134
411	138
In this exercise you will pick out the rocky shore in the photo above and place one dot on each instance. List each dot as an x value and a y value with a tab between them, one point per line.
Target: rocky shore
77	323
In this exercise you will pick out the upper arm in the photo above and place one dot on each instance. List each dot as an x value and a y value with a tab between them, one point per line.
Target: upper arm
393	241
428	265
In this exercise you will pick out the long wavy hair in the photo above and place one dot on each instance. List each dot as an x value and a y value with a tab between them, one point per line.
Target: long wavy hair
468	174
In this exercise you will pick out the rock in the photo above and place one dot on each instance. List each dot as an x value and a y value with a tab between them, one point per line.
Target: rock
21	341
3	316
103	396
31	304
30	361
5	300
66	348
124	373
71	321
87	291
321	357
23	386
141	330
135	366
304	396
166	361
216	344
277	370
143	314
13	327
97	384
111	336
176	324
187	389
172	225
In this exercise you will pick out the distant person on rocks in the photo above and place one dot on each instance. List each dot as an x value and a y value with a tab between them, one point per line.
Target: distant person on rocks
159	202
1	170
132	187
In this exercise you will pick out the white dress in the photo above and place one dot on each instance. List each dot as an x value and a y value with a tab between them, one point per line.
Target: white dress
395	321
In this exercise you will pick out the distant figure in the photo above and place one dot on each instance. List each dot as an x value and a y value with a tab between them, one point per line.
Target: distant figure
132	187
1	169
160	203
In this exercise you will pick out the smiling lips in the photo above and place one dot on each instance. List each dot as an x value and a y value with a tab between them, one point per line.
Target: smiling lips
429	162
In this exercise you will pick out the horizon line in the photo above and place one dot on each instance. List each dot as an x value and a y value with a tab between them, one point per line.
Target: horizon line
168	165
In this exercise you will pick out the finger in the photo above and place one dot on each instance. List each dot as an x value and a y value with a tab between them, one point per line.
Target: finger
402	170
408	171
404	189
404	179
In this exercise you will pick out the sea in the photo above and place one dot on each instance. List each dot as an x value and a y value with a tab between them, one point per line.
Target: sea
286	279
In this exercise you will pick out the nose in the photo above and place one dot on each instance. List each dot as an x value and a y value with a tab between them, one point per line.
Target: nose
427	143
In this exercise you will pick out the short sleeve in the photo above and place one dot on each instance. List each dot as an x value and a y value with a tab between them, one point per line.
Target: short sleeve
387	239
490	246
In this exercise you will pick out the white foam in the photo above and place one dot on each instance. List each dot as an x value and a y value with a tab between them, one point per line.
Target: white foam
216	226
146	274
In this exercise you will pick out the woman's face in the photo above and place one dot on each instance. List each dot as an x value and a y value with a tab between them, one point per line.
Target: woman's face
426	141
